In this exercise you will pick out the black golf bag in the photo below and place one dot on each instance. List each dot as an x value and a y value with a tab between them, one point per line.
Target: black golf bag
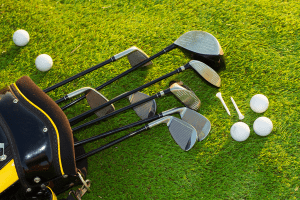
37	155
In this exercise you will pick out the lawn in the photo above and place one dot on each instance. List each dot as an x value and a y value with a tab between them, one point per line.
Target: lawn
261	44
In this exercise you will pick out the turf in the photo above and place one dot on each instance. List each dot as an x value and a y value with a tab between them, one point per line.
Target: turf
261	43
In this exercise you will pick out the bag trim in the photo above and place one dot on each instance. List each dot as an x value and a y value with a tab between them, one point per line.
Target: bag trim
53	124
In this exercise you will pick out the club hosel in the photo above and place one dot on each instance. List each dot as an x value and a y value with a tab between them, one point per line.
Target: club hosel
165	120
169	48
162	93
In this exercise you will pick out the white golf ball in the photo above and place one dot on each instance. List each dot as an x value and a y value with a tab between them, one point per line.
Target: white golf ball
259	103
240	131
43	62
21	38
262	126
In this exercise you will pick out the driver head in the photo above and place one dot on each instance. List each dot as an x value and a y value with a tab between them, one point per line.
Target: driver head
206	72
187	97
184	134
144	110
199	42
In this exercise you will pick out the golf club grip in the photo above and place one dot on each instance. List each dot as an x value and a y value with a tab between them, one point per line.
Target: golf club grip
78	75
91	139
120	110
111	143
169	48
86	114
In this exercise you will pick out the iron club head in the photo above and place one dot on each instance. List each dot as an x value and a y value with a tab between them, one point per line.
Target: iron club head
94	99
144	110
183	133
134	55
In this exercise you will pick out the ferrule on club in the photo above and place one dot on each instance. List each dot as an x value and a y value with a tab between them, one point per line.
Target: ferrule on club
237	109
222	101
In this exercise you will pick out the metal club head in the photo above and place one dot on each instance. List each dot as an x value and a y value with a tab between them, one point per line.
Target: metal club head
134	55
199	42
204	47
187	97
144	110
206	72
183	133
94	99
198	121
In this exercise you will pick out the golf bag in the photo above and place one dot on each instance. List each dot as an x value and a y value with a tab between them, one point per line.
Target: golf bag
37	155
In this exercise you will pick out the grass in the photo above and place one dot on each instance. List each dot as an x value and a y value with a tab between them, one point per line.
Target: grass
261	43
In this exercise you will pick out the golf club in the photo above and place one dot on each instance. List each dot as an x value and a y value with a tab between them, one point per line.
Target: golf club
198	121
195	42
95	99
187	97
201	68
182	132
134	55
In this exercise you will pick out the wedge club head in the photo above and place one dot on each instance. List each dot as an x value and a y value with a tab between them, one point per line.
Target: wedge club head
144	110
183	133
187	97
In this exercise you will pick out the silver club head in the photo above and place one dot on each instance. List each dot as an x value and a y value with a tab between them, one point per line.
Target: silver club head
144	110
199	42
187	97
183	133
206	72
198	121
94	99
134	55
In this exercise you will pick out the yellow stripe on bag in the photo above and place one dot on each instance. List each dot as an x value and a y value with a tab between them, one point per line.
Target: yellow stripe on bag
53	195
58	141
8	175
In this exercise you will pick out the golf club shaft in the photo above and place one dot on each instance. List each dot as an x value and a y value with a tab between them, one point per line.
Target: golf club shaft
111	143
112	59
122	109
83	116
169	48
103	135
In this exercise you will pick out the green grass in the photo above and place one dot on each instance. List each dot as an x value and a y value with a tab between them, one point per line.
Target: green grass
261	42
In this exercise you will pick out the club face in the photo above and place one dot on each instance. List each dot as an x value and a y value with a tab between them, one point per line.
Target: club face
206	72
187	97
144	110
198	121
95	99
183	133
138	56
199	42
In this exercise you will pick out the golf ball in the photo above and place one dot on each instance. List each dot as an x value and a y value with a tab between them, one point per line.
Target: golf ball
240	131
21	38
262	126
43	62
259	103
